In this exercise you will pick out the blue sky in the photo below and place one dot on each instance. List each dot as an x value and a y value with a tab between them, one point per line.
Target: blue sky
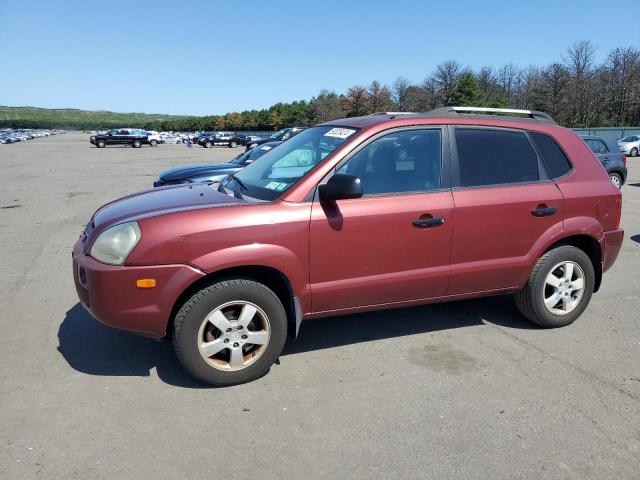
210	57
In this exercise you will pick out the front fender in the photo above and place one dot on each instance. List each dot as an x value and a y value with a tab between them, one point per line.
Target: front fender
259	254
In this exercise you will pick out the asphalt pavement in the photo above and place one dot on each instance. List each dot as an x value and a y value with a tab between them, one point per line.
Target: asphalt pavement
460	390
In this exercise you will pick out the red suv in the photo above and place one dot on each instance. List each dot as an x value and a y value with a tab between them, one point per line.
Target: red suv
367	213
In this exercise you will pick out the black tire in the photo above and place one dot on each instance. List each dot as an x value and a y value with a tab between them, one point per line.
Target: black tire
634	152
530	300
178	142
192	314
153	143
233	145
616	179
101	144
207	144
136	144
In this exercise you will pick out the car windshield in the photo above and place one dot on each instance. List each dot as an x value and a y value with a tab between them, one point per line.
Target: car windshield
279	132
278	169
630	138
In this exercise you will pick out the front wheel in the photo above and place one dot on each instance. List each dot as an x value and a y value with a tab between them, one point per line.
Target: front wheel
233	145
230	332
208	145
100	144
153	143
559	287
136	144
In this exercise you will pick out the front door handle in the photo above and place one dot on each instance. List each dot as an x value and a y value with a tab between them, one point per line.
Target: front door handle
543	211
428	222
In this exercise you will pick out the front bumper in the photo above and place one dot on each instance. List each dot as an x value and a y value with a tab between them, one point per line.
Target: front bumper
110	294
611	244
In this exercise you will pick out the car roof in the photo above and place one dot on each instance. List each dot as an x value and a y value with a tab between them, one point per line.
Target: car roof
452	115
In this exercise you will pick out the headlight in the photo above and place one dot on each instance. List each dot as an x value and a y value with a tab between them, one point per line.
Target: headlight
114	244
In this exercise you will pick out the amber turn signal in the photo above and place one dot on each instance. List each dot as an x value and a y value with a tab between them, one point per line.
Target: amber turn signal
146	283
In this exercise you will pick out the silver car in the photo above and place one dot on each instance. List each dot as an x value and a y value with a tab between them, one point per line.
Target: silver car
630	145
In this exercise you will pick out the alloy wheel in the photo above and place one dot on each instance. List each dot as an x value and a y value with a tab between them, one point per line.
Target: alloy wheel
234	335
615	179
563	288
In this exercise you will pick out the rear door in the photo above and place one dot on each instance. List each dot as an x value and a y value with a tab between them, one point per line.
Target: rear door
504	203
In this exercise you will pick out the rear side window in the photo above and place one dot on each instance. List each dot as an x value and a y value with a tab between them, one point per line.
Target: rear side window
552	155
494	157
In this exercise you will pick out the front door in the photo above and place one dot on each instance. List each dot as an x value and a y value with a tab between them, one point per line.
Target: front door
392	245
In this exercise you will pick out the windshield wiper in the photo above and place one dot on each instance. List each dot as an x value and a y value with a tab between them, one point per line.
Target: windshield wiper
238	181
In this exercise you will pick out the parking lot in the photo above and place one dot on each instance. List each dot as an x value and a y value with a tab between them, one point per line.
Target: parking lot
459	390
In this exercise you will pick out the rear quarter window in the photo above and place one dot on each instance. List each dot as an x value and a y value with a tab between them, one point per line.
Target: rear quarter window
552	155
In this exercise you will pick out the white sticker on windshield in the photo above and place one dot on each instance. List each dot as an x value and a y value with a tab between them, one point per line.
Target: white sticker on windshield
267	148
339	132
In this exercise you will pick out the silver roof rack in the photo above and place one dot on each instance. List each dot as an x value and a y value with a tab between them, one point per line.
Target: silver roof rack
450	111
393	113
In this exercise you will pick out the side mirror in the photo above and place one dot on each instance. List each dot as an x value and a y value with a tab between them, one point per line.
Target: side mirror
341	186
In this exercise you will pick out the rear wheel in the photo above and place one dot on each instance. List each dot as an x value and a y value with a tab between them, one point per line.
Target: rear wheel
616	179
559	287
153	143
136	144
233	145
634	152
230	332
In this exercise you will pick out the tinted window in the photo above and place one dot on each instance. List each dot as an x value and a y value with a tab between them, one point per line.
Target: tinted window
399	162
493	157
553	156
596	146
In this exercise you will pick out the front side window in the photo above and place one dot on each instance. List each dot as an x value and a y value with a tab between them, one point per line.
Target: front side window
494	157
630	138
400	162
279	168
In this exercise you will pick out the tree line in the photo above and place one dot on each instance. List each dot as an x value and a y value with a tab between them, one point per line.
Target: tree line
576	90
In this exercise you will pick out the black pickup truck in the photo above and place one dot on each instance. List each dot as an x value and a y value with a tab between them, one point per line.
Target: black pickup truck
122	136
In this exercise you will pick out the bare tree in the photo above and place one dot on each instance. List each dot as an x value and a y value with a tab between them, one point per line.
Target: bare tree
399	93
579	62
379	97
445	79
326	106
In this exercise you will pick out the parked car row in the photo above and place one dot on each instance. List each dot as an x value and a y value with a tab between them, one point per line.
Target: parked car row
13	135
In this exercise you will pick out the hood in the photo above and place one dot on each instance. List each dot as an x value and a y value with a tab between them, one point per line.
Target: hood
188	171
159	201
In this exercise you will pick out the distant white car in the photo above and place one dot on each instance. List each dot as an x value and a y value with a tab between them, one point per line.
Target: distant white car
630	145
154	138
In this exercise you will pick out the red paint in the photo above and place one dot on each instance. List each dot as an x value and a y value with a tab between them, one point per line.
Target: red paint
364	255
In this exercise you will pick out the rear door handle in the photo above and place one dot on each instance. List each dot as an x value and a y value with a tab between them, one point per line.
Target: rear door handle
428	222
543	211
